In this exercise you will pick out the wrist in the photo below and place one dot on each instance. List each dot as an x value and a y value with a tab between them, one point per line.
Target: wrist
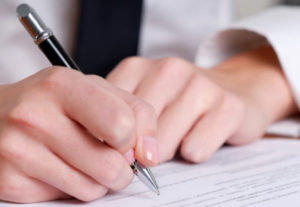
256	77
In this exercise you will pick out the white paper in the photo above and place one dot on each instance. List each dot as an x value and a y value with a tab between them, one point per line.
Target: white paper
266	173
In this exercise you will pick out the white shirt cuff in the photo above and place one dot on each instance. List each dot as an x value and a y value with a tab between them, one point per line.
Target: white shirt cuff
278	26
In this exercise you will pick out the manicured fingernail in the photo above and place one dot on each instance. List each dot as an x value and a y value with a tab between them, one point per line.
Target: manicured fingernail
150	149
129	156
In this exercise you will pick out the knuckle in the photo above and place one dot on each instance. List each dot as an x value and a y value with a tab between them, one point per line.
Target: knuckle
195	156
199	82
90	195
13	149
28	115
192	87
14	192
122	126
115	165
196	81
144	108
211	93
172	61
233	103
167	156
203	157
23	113
232	109
56	79
130	63
170	65
112	168
96	77
195	86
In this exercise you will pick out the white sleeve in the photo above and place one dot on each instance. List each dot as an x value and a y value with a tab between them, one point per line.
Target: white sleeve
278	26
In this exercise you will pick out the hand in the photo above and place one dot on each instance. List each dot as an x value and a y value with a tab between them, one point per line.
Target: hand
64	134
199	110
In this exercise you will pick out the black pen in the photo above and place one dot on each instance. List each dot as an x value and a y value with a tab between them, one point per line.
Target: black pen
55	53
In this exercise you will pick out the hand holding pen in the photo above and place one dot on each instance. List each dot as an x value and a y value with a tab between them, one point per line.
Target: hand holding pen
53	125
55	53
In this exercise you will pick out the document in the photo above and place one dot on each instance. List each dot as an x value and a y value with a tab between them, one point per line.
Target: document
265	173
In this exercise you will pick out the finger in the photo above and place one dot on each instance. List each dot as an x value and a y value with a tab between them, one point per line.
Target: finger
88	155
36	161
17	187
162	86
211	132
180	116
130	72
145	124
99	110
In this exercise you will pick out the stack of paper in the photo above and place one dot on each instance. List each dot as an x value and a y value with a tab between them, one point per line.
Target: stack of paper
266	173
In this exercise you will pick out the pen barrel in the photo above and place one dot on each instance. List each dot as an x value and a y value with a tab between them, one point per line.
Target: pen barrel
56	54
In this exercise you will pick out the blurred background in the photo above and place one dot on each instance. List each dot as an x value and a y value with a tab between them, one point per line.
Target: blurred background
245	8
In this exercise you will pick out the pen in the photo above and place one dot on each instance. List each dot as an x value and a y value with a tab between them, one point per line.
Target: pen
55	53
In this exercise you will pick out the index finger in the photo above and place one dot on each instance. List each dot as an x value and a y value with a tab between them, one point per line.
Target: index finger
146	149
98	109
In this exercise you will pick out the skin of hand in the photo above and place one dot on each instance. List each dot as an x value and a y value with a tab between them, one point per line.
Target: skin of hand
65	134
200	110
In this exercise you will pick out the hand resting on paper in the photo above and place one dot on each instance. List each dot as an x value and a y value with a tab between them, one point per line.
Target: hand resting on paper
200	110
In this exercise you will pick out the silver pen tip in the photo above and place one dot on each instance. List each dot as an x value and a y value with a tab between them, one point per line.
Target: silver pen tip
146	176
157	192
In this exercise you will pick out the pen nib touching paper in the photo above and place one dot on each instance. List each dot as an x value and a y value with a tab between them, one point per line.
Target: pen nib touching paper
144	174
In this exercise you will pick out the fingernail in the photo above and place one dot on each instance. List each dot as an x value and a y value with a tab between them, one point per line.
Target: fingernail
129	156
150	149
